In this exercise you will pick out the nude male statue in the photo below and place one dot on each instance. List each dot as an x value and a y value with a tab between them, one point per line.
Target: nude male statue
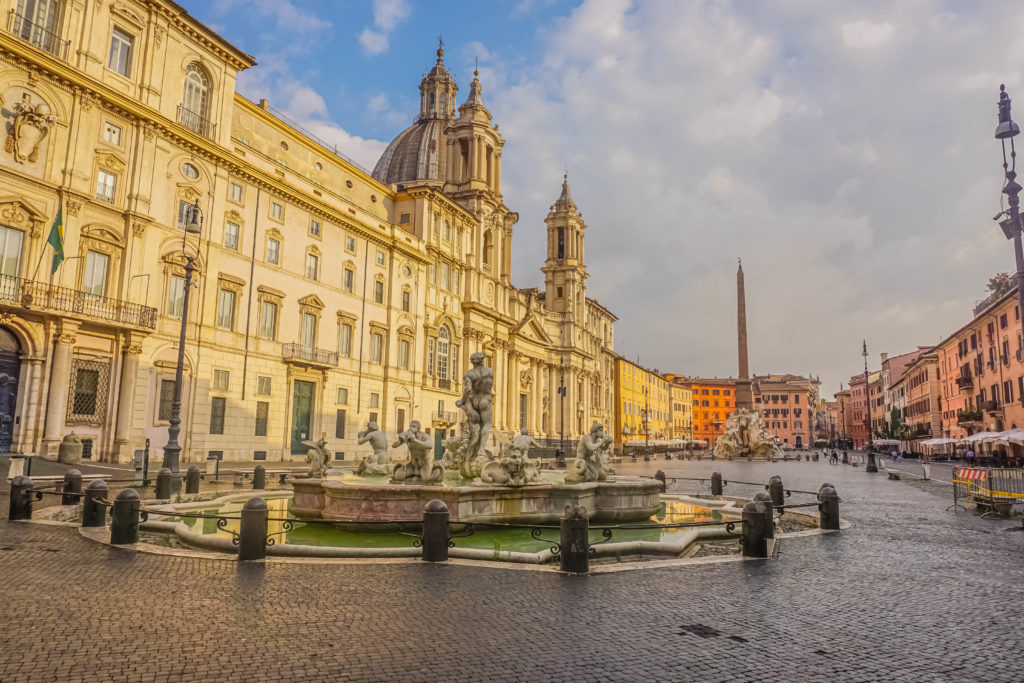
421	461
476	402
378	442
521	444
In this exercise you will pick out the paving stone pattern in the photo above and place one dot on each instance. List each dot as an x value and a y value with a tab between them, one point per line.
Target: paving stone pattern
910	593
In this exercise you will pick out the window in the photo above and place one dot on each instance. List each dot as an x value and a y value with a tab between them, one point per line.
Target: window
312	266
226	310
221	380
195	101
406	301
378	292
558	292
89	390
262	417
339	424
443	340
263	385
235	192
273	251
345	340
374	400
380	258
94	283
376	347
106	184
403	219
112	133
446	275
403	354
431	344
190	171
175	296
217	406
308	329
350	280
342	396
314	228
231	235
1002	321
447	231
120	53
268	320
11	241
350	244
184	213
166	399
276	210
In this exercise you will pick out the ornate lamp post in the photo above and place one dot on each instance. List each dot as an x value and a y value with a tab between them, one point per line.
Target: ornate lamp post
1006	129
871	466
560	453
172	451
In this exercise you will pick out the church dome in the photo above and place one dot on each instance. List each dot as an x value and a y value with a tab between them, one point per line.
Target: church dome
416	154
419	151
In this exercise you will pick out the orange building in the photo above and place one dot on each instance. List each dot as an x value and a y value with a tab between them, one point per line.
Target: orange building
714	400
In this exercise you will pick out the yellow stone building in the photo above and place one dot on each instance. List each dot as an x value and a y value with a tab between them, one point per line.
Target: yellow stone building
326	295
682	411
643	404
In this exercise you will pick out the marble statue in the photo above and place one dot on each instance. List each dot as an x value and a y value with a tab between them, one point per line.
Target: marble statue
476	403
30	127
746	437
513	467
455	454
317	457
421	468
591	463
377	463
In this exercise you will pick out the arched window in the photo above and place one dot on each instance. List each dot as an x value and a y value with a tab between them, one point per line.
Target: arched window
195	102
443	345
488	248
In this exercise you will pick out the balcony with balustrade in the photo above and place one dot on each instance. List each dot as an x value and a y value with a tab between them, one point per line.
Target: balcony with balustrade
308	356
31	295
196	122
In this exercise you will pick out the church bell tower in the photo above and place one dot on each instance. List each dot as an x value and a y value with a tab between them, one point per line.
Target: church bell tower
565	273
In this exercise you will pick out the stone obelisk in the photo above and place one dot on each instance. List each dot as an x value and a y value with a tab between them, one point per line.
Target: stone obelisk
744	394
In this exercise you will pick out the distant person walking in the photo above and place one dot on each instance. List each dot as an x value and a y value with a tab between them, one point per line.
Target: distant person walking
970	456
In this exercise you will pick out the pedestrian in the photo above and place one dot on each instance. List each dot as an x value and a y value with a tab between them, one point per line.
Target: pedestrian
970	457
894	455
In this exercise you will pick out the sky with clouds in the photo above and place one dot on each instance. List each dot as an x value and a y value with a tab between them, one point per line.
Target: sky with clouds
843	150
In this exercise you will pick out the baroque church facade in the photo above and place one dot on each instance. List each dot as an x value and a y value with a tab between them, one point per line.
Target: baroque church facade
325	297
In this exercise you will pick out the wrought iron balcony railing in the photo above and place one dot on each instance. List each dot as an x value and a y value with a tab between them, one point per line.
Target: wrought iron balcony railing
965	381
446	416
196	122
963	416
37	35
46	297
308	354
444	383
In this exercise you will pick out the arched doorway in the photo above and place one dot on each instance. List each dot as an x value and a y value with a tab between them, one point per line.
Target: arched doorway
10	369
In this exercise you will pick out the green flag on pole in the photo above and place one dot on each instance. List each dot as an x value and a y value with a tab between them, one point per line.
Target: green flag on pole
56	240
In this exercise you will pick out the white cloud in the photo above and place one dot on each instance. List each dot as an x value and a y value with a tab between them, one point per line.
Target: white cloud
387	14
867	35
284	12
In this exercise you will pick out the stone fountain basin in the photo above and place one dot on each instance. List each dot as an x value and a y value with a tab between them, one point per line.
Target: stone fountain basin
620	499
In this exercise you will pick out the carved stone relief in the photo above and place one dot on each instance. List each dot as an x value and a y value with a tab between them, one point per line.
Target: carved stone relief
28	129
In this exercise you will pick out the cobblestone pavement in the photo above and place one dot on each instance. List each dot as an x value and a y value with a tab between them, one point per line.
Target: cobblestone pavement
910	593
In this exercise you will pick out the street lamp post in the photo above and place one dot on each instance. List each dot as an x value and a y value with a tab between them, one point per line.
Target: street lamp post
172	451
1011	225
871	466
560	455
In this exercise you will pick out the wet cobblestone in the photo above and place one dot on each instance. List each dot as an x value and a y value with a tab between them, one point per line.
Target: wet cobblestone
910	593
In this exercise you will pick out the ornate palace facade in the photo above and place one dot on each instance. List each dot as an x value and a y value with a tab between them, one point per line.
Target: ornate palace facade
327	296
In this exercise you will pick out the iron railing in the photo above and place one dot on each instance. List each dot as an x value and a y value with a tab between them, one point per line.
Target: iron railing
195	122
450	417
315	138
965	381
308	354
444	383
43	296
37	35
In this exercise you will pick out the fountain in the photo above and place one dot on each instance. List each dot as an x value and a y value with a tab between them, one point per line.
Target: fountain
507	486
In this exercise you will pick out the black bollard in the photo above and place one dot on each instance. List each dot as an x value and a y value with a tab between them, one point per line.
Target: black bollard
575	540
434	542
777	491
93	513
716	484
252	532
163	484
753	540
871	466
192	480
21	498
828	505
72	485
660	476
124	518
259	478
769	518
